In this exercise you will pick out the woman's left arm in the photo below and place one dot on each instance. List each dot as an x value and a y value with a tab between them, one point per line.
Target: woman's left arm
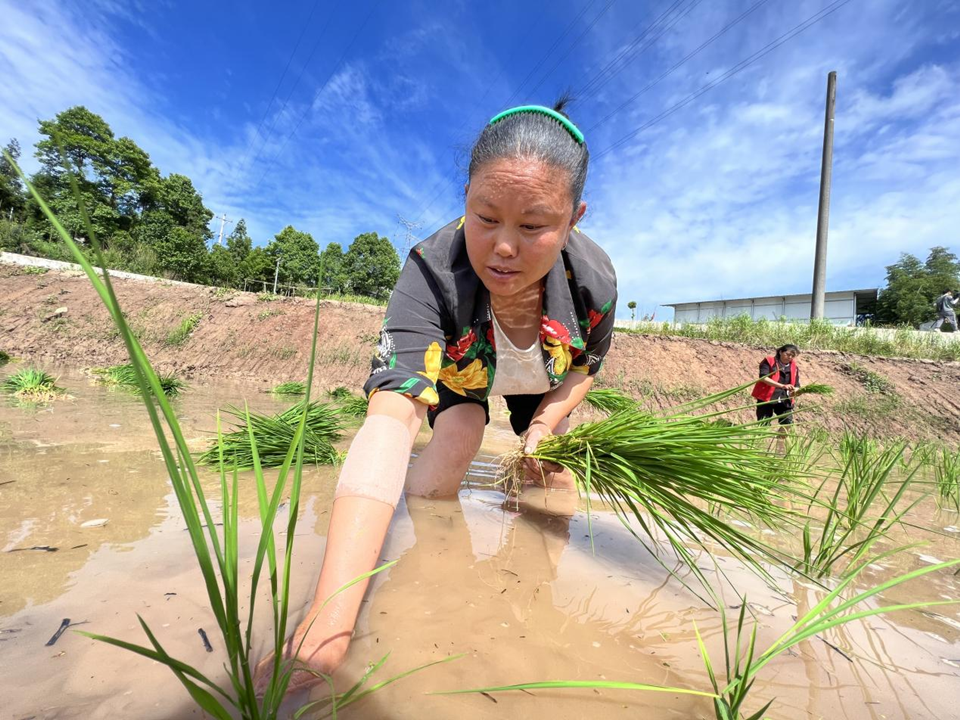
557	404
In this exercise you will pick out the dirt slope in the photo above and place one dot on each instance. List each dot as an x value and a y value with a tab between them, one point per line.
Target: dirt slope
242	337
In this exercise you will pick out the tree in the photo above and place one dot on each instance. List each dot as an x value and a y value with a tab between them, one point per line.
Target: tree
633	309
371	266
239	243
912	287
331	268
257	266
299	256
224	270
12	190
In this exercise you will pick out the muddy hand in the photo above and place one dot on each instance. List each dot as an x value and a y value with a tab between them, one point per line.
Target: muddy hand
310	656
538	472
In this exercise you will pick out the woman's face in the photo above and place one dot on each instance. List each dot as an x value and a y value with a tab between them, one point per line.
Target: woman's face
787	356
518	219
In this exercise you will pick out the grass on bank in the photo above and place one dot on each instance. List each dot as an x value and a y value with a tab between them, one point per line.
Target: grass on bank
815	335
125	376
32	385
4	358
218	557
180	335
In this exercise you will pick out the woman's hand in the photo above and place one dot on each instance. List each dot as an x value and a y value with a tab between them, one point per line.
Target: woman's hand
538	471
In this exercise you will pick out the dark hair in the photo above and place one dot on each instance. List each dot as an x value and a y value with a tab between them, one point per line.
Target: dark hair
785	348
948	290
531	135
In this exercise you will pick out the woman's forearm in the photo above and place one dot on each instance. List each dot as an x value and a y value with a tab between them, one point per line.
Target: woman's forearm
559	403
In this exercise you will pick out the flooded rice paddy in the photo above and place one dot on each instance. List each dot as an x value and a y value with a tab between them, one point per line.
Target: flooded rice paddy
516	589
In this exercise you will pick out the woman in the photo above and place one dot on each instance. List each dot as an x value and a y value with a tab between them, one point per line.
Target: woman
779	379
512	299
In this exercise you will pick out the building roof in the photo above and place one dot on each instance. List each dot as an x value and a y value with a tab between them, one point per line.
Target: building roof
872	291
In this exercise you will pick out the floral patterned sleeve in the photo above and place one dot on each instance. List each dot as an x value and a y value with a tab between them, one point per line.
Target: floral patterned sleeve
599	337
408	356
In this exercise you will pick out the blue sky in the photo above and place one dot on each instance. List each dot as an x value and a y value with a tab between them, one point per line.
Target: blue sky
376	111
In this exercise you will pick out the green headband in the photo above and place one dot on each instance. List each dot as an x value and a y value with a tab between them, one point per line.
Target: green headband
569	126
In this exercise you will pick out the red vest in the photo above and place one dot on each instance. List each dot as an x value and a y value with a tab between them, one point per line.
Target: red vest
763	391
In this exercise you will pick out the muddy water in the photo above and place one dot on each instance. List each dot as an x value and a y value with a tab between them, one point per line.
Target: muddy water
516	589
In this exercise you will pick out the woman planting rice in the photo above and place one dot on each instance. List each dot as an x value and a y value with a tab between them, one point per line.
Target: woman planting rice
513	300
778	383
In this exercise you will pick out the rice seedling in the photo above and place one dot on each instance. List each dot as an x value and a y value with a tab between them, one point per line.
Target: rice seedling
355	407
4	358
814	389
741	662
339	393
848	531
273	435
186	328
124	376
656	470
946	469
740	666
289	388
608	400
32	385
217	557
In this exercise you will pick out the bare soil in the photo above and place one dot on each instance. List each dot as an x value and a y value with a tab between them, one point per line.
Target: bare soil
56	319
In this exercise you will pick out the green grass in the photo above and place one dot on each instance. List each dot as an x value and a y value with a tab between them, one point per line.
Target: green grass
32	385
218	557
815	335
186	328
289	388
125	376
270	436
872	382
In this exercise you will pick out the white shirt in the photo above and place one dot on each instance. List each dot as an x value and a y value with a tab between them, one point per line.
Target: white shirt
519	371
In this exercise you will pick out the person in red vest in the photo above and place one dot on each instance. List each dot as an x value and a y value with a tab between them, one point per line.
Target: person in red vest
779	379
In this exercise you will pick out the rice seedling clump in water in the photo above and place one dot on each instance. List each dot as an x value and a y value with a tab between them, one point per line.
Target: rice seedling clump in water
608	400
124	376
274	434
32	385
289	388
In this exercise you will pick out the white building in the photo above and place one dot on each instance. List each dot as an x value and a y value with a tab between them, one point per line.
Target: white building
840	308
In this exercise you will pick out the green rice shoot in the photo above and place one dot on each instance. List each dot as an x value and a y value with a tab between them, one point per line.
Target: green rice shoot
32	385
608	400
814	389
273	435
124	376
289	388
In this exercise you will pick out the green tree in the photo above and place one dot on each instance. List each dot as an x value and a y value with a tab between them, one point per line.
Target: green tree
256	267
331	268
633	309
912	287
299	256
371	266
239	243
12	190
224	270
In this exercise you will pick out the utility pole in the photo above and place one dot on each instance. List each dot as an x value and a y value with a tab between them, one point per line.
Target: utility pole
276	274
409	235
223	221
823	216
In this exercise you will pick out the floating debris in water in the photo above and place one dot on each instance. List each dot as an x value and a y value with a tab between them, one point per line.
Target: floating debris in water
99	522
929	559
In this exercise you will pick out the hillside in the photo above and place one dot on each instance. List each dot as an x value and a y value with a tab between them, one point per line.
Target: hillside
55	319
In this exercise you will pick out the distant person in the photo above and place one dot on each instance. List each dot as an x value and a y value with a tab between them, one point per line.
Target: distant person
945	312
779	379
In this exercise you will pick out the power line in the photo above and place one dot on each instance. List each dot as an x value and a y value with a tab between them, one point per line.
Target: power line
323	87
599	84
677	65
735	70
296	83
273	97
579	37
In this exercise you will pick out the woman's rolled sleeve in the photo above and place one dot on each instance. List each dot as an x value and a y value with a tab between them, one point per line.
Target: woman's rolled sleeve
598	342
411	343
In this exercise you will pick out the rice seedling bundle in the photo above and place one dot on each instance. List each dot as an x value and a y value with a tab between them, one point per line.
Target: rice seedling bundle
339	393
668	473
32	385
608	400
273	435
814	389
125	376
289	388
